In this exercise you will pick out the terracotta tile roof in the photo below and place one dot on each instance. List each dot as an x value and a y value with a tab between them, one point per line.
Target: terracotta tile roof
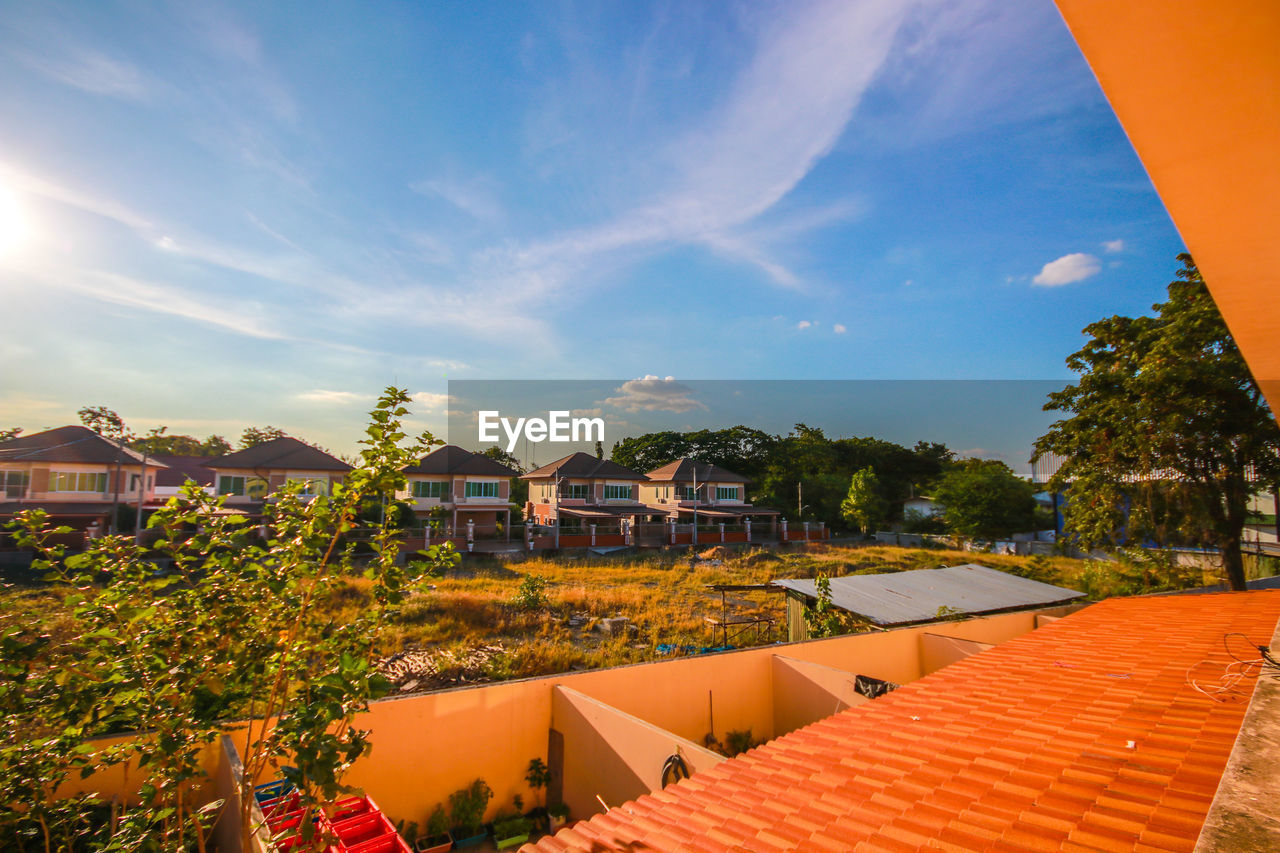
285	453
682	471
583	466
179	469
1025	746
452	459
70	444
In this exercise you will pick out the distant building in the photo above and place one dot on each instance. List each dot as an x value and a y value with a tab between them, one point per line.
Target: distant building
247	477
583	489
461	486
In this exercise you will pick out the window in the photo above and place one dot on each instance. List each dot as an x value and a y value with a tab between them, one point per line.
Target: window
231	485
310	485
726	493
482	490
66	481
617	493
429	489
15	483
580	491
686	493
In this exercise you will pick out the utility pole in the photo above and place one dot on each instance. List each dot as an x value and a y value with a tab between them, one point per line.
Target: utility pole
799	500
695	504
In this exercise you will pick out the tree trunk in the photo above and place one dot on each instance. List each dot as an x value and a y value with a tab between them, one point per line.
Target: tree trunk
1233	563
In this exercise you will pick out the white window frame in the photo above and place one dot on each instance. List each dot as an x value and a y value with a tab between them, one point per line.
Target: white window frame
729	493
75	482
624	487
481	493
440	487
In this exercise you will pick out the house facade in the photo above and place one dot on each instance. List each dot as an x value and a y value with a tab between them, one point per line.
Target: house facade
248	476
582	489
75	475
467	490
686	488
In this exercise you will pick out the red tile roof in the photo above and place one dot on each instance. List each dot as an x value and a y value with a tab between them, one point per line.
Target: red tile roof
583	466
279	454
452	459
1082	735
683	470
69	444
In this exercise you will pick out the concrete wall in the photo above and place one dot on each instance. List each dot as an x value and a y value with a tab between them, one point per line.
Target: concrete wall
426	746
611	755
938	650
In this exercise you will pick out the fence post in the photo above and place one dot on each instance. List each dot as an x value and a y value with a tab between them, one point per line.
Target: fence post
593	535
782	526
528	536
672	521
806	531
626	532
471	535
721	526
746	523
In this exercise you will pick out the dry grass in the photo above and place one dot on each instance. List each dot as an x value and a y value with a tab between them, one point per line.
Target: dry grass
664	596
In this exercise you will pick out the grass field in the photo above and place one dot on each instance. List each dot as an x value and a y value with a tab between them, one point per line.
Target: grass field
470	626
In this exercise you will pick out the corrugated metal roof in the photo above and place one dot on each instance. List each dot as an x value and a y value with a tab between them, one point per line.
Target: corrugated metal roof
900	598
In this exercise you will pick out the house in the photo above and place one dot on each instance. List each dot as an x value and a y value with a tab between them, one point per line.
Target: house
894	599
248	476
687	489
585	490
922	507
180	470
74	474
468	488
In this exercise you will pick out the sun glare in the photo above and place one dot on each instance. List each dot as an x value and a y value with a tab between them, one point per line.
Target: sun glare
13	222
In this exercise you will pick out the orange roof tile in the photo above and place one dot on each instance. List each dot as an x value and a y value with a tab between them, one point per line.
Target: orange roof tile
1025	746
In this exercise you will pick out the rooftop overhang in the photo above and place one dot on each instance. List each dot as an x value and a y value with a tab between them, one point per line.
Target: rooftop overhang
1196	86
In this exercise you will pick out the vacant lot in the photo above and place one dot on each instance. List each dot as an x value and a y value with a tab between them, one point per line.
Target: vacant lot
490	620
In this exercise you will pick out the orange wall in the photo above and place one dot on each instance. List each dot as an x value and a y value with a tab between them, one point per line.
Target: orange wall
1196	86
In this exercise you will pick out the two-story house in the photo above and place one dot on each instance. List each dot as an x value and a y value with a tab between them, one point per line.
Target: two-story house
248	476
581	488
685	489
75	475
462	486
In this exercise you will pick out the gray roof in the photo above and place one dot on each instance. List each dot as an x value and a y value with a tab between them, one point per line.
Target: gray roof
452	459
71	444
280	453
902	598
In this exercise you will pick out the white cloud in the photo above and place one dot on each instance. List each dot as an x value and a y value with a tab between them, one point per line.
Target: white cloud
93	72
587	413
321	395
476	197
803	324
654	394
1068	269
431	401
1113	246
839	328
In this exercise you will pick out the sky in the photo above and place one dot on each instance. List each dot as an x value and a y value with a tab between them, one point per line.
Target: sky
221	215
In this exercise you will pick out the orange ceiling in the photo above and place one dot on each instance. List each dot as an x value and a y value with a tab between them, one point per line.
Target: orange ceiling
1196	86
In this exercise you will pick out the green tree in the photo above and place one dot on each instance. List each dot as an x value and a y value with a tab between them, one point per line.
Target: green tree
158	441
104	422
253	436
863	506
232	630
1168	434
10	434
984	499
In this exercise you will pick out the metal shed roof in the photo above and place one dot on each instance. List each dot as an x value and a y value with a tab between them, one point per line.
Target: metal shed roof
901	598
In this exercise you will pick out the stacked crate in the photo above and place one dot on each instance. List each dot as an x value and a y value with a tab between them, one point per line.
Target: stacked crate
354	825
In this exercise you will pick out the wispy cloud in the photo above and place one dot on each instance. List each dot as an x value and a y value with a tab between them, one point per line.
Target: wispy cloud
325	396
803	324
783	114
92	71
431	401
654	394
476	197
839	328
1068	269
1113	246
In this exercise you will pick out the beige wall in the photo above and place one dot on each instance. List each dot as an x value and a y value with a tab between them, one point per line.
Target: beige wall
805	692
613	755
428	745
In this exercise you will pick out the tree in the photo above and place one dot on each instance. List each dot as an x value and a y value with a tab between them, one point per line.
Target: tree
10	434
1168	433
158	442
519	488
253	436
104	422
230	630
984	499
863	506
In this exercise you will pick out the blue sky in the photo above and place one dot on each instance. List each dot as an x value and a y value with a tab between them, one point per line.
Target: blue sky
220	215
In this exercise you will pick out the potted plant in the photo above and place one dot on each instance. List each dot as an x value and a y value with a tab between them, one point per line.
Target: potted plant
437	839
466	810
558	814
538	777
511	829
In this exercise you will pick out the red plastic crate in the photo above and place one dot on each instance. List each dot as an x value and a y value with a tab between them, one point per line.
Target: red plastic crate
390	843
357	830
349	808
